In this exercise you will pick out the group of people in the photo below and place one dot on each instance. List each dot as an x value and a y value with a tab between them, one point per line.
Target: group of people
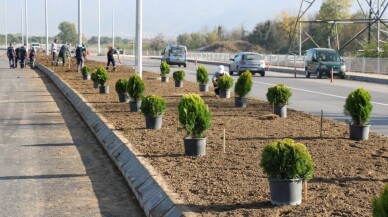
20	55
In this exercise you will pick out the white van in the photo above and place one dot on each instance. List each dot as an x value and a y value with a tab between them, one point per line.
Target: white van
175	55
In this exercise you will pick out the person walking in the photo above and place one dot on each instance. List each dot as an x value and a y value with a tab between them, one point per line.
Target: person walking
22	56
220	72
79	57
11	56
54	51
64	52
32	56
111	59
16	56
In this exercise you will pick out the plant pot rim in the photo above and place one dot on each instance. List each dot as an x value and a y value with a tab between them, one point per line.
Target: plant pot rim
153	116
194	138
289	180
244	97
361	125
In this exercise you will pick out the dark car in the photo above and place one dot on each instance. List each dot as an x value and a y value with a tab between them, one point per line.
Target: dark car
253	62
321	61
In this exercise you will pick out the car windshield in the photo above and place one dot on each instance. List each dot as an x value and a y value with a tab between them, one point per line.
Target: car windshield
178	50
329	56
253	57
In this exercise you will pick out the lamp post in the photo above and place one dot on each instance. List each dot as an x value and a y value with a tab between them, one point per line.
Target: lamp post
5	23
99	27
22	27
139	35
26	21
46	21
79	23
113	23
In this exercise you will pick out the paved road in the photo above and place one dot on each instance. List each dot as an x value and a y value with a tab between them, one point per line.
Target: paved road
51	164
310	95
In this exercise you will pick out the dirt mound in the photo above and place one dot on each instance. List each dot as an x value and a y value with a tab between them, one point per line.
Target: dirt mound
233	47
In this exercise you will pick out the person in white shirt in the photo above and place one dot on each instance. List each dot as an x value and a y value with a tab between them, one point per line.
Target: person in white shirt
220	72
54	51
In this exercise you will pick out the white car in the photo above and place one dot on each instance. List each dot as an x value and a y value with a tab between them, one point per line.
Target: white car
253	62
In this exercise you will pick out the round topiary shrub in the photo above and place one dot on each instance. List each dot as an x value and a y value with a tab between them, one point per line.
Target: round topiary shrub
135	87
287	159
279	94
101	75
202	75
194	115
179	75
86	70
244	84
153	105
358	106
380	203
121	85
225	82
164	69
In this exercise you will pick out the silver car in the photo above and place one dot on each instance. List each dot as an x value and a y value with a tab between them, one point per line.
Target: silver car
253	62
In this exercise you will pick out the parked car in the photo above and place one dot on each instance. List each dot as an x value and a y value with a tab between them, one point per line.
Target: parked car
36	46
175	55
321	61
243	61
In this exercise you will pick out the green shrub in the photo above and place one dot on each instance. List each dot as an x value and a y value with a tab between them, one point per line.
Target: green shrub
164	69
380	204
93	76
287	159
153	105
202	75
121	85
86	70
358	106
225	82
194	115
244	84
135	87
101	76
179	75
279	94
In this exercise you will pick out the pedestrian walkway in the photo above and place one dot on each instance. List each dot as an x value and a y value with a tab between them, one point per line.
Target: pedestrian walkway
51	164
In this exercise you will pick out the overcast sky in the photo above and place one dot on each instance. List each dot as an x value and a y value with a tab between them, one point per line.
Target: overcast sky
170	17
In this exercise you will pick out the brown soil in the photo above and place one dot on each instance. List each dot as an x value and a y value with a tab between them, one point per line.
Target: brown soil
347	173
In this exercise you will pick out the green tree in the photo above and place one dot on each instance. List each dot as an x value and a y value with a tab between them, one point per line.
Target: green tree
67	33
263	35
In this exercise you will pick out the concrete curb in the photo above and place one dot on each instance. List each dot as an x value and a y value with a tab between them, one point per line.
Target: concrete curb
149	187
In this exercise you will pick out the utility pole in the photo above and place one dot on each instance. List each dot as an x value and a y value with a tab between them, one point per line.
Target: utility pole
99	27
22	27
139	37
26	20
113	23
378	28
46	21
79	23
5	23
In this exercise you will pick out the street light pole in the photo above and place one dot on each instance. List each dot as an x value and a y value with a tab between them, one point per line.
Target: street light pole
79	23
139	36
113	23
46	21
26	20
5	23
99	27
22	27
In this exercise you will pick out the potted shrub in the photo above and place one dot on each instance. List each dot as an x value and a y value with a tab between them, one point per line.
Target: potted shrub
178	78
286	163
102	77
135	89
225	83
93	76
195	118
242	88
86	72
380	203
121	89
164	71
359	107
279	96
153	107
202	79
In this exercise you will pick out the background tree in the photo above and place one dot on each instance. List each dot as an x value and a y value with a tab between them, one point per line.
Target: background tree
67	33
158	42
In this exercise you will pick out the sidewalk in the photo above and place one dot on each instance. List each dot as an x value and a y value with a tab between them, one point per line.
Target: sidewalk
51	164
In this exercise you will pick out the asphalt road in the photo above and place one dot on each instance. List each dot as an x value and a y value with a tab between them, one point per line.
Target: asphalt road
51	163
309	95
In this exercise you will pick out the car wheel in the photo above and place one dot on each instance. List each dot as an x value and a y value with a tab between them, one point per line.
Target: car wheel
179	65
262	74
319	74
238	71
184	65
307	73
230	71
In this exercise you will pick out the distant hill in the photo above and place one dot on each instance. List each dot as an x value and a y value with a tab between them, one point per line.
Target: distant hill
232	47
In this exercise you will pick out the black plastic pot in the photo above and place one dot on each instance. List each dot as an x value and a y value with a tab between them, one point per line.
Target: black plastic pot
240	102
104	89
359	132
203	87
195	146
286	191
154	123
225	93
123	97
179	83
134	106
95	84
86	76
281	110
164	79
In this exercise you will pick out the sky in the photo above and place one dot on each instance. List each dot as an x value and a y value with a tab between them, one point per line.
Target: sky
167	17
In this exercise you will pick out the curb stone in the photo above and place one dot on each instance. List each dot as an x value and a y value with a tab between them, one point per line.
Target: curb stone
150	189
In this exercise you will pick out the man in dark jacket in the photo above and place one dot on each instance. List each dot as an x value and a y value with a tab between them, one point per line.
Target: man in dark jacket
22	56
11	56
63	53
32	57
111	58
16	56
79	57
